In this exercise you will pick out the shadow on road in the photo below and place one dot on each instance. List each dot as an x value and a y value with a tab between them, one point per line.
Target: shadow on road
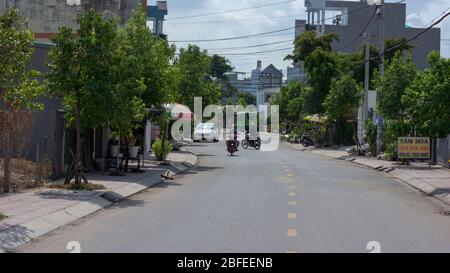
127	203
439	191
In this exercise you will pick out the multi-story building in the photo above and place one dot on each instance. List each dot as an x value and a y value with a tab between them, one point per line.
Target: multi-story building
263	83
350	18
156	16
44	19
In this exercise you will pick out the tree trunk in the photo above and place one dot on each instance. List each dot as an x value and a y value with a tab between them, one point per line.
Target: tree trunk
78	150
77	171
7	173
7	153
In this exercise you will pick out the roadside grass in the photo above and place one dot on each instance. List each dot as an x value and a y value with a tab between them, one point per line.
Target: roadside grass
2	216
71	186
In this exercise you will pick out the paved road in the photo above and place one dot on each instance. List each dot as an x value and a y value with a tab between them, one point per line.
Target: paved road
280	201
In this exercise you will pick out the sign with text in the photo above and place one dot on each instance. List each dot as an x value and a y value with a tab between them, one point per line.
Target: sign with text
414	147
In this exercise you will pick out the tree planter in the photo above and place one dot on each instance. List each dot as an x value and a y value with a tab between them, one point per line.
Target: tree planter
114	150
133	151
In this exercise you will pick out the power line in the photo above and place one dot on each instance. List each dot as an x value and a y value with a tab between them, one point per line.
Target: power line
233	38
362	32
393	47
237	20
229	11
264	33
252	46
259	52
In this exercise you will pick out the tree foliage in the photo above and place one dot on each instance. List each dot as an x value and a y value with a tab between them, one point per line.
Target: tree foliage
93	72
344	99
399	74
427	100
19	87
194	70
290	99
219	67
308	41
394	42
321	67
246	99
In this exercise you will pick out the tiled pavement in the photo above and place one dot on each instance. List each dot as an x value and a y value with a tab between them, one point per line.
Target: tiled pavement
35	212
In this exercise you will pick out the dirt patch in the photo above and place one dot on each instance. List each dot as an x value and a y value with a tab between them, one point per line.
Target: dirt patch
24	174
71	186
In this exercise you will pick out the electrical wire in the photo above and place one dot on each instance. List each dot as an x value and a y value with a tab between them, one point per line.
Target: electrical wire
393	47
361	33
230	11
264	33
236	20
252	46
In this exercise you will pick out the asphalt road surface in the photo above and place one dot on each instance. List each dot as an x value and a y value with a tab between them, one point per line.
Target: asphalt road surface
282	201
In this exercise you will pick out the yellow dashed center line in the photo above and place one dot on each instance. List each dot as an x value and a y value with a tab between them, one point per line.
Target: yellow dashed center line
292	194
290	175
292	203
291	233
292	216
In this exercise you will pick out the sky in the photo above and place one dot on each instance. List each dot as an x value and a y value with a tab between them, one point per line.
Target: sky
266	19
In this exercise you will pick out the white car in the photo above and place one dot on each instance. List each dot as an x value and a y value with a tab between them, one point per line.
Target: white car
206	131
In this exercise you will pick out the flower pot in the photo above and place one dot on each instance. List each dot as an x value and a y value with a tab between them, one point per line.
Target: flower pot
133	151
114	150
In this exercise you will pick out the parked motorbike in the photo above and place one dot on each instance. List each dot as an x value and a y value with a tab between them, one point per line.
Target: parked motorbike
255	143
306	141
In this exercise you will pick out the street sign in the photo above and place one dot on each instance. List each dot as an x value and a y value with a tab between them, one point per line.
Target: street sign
414	147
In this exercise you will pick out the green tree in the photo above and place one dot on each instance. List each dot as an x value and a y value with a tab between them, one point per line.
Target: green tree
246	99
344	99
393	42
83	71
354	64
19	88
342	103
219	67
148	58
427	100
321	67
194	68
290	101
308	41
398	76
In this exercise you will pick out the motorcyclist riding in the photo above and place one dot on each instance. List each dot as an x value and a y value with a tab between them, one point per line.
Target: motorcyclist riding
233	138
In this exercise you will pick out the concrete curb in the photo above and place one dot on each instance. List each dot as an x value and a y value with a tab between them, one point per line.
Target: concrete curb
21	234
423	187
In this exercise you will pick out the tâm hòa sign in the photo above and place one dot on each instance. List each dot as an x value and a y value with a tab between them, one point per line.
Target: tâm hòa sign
414	147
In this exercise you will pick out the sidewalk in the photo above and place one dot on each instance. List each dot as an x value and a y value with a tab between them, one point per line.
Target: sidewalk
434	181
33	213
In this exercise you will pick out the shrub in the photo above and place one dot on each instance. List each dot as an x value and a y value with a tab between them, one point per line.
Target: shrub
161	149
392	151
371	135
2	216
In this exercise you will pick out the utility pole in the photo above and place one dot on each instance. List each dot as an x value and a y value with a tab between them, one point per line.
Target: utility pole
365	106
380	120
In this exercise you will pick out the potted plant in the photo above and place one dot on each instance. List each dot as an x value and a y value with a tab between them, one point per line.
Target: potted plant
161	149
113	145
133	147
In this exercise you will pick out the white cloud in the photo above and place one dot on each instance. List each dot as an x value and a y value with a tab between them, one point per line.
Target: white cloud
419	13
